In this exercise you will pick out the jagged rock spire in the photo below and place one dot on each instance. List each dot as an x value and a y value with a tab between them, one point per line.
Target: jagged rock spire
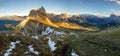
42	10
33	13
39	12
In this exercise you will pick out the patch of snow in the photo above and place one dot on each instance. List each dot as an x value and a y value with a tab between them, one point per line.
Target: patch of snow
47	31
26	52
36	37
74	53
18	42
51	44
71	33
50	30
56	32
12	46
31	49
105	50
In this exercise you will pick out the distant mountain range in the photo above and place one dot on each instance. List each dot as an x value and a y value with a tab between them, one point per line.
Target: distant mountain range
103	22
88	20
82	20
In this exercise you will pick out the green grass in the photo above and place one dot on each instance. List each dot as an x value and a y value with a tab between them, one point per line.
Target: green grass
103	43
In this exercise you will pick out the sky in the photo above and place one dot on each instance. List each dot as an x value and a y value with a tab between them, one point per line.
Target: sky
96	7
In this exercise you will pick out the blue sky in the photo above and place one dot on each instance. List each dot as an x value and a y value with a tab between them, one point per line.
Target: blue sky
97	7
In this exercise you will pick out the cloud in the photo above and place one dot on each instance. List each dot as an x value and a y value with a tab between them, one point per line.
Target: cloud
112	11
1	9
116	1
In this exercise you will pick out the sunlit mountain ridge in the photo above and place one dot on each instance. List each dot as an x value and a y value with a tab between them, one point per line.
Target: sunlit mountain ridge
54	24
40	16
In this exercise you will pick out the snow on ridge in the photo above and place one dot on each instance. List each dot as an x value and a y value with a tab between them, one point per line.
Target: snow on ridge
56	32
51	44
36	37
74	53
50	30
12	46
31	49
47	31
26	52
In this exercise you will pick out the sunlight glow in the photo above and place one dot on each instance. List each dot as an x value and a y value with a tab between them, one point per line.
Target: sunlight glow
47	21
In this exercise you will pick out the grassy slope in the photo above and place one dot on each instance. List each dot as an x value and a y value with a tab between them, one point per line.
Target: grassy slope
104	43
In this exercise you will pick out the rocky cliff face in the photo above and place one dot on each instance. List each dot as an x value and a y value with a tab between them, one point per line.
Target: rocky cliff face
33	28
40	12
33	13
30	26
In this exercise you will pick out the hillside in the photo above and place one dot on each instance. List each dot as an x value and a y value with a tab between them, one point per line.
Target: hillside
17	44
56	43
104	43
38	34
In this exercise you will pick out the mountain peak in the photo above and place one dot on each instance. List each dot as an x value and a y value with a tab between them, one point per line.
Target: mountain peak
40	11
112	15
33	13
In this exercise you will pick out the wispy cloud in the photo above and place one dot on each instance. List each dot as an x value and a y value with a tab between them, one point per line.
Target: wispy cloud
116	1
1	9
112	11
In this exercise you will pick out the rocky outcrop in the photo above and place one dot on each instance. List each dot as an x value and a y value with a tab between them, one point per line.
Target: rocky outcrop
33	28
33	13
40	12
16	44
